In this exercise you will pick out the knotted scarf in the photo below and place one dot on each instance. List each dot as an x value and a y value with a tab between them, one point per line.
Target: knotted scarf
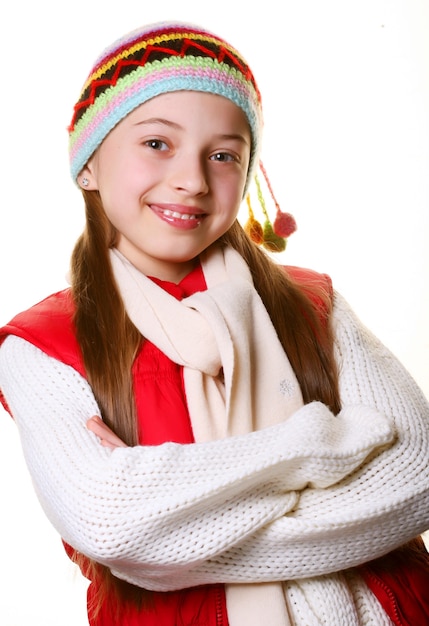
237	376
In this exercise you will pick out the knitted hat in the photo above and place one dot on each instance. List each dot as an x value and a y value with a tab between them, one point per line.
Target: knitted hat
162	58
157	59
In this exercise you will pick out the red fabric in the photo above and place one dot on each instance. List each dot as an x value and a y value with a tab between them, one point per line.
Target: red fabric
159	382
200	606
163	416
400	581
48	325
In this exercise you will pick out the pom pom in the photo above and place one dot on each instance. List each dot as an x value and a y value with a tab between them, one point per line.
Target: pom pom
272	237
284	224
272	241
255	231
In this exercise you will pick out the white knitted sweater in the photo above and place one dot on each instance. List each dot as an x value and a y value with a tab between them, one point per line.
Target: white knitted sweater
173	516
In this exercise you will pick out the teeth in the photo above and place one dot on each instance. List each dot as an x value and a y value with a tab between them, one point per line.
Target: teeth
179	216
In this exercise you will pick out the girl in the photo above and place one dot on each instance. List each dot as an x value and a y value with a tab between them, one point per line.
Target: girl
217	439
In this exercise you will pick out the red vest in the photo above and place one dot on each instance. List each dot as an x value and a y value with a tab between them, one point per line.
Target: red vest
48	325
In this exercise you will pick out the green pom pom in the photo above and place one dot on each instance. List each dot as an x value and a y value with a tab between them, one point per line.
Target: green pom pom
272	242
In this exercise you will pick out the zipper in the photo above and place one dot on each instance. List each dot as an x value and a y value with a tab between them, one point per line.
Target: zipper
219	608
394	605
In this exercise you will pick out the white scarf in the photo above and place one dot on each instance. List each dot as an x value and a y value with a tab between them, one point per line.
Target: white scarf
237	375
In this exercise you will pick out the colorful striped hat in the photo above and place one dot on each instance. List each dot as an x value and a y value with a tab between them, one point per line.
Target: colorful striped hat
153	60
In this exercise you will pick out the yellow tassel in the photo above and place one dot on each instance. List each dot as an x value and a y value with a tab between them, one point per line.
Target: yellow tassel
252	227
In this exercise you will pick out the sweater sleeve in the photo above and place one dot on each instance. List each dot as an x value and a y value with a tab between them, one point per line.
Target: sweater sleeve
295	500
162	516
378	507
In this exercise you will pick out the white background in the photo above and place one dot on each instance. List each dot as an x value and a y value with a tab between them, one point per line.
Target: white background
346	95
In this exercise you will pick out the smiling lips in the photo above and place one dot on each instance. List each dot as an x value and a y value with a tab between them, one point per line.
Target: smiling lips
177	215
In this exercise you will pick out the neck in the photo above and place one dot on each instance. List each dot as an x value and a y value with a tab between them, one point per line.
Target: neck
160	269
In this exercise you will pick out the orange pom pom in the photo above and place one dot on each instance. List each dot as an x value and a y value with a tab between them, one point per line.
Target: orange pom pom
254	229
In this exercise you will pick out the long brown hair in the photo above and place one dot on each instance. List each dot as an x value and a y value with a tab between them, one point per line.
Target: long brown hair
109	341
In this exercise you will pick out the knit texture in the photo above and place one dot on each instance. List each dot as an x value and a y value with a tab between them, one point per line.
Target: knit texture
186	515
154	60
237	375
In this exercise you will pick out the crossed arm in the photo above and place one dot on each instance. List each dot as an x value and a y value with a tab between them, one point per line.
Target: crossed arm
107	437
315	494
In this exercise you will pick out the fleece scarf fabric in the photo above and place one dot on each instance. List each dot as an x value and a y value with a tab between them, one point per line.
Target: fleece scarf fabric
237	376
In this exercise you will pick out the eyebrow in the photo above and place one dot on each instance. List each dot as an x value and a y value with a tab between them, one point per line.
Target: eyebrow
165	122
158	120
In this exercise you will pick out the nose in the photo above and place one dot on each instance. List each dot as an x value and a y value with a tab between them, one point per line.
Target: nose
189	175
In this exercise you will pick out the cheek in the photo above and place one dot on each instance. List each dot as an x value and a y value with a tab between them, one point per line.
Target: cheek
116	217
233	193
118	183
113	161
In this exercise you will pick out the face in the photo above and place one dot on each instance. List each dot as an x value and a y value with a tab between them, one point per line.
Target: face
171	177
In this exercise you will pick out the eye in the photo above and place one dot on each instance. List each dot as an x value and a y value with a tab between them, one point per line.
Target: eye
223	157
156	144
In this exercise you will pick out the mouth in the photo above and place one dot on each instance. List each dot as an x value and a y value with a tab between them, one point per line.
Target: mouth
179	215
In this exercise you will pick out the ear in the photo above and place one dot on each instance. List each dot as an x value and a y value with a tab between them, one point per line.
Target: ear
87	178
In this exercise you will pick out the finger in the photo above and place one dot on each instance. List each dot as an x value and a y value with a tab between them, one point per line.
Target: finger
107	437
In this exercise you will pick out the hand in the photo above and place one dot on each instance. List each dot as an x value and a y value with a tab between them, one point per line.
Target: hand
107	437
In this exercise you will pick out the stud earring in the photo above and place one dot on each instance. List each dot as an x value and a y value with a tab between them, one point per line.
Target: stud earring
84	182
